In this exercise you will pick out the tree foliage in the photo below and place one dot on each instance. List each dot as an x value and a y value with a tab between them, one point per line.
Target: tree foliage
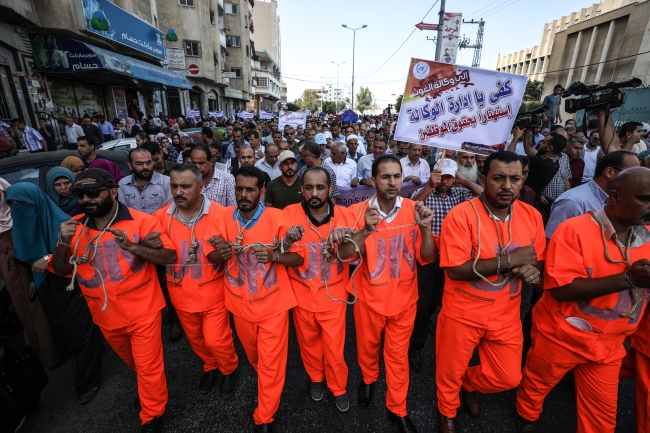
398	102
292	106
364	99
330	107
533	91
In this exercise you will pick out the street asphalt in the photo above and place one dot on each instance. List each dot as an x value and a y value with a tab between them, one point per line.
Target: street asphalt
188	411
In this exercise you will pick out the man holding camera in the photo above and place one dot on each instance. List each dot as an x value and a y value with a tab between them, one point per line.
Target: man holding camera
552	103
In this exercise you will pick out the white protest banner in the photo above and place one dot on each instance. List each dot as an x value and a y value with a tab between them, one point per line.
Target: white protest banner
215	114
349	196
265	115
450	37
291	118
458	107
193	113
306	111
246	114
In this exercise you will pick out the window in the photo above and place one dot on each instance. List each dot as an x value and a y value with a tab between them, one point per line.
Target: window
237	72
246	20
189	3
232	41
212	18
193	48
587	17
262	82
247	51
215	56
231	8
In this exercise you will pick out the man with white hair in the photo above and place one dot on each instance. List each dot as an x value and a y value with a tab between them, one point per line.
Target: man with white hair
341	164
467	166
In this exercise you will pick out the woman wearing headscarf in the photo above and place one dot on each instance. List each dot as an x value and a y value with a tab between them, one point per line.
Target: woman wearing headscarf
170	152
218	135
35	323
57	187
131	128
37	221
109	166
74	164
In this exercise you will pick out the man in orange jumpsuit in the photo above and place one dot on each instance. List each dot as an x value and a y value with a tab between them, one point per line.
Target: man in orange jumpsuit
488	246
117	276
636	365
196	290
595	268
258	292
320	288
389	243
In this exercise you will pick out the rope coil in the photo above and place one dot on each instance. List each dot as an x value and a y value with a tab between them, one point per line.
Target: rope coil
194	245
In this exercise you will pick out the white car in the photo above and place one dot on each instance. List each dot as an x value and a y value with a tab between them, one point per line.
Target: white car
120	144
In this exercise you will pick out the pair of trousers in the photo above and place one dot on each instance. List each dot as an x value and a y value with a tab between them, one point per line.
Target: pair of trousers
140	346
266	344
499	351
397	334
431	284
321	338
210	336
596	384
636	366
73	324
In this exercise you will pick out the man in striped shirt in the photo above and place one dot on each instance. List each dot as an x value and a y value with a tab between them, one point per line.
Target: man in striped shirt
34	141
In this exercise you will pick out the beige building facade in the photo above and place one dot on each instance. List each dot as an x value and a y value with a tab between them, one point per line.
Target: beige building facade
268	57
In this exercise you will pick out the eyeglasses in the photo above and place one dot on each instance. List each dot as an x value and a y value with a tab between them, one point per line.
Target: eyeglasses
90	193
289	133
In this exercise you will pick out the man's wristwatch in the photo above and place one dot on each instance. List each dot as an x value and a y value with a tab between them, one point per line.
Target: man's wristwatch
46	257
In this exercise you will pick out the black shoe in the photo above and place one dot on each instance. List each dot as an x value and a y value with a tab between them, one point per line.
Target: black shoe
365	393
415	359
525	426
88	395
264	428
136	403
472	401
446	424
342	402
316	390
403	423
229	385
175	331
153	426
208	380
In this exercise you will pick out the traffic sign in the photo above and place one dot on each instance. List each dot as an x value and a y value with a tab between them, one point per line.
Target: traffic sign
425	26
193	69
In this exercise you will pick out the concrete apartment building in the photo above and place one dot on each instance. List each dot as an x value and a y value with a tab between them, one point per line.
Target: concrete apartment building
268	57
601	43
240	52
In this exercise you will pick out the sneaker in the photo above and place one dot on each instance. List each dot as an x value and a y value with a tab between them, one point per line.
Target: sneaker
342	402
316	390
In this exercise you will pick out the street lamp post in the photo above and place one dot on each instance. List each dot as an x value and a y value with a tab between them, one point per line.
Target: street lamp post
354	41
336	109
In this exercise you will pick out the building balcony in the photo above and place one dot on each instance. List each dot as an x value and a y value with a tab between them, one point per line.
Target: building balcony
222	39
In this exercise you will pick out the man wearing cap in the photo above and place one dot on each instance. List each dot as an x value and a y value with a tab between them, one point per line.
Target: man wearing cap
325	151
551	103
344	167
439	196
354	148
119	281
285	189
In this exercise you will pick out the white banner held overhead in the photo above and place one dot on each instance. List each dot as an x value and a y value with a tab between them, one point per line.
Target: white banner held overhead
249	115
450	37
458	107
265	115
292	118
193	113
215	114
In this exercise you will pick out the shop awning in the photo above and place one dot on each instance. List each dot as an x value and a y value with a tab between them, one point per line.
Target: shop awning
61	55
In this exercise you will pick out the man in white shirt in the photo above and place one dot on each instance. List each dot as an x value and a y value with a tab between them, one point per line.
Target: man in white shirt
344	167
590	157
72	132
414	168
364	166
269	164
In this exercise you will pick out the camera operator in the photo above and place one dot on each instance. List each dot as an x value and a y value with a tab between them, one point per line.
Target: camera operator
552	102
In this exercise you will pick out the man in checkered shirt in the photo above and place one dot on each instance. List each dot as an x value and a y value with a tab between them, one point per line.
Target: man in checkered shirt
218	185
439	196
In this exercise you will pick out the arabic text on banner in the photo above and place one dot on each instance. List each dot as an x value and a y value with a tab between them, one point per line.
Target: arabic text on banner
292	118
246	115
265	115
458	107
215	114
193	113
451	37
349	196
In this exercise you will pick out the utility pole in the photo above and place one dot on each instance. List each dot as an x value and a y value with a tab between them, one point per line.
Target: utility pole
354	41
441	26
338	91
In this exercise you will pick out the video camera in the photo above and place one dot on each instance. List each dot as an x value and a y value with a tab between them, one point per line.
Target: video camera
597	97
530	119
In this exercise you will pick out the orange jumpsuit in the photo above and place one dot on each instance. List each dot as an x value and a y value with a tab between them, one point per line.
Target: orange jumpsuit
477	314
636	365
259	296
128	313
197	291
319	321
576	250
386	283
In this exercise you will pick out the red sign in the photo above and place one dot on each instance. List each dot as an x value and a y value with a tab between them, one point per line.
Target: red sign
425	26
193	69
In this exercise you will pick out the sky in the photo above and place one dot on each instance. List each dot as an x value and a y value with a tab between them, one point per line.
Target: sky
312	38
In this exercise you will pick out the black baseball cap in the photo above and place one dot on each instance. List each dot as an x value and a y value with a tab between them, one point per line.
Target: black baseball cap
93	178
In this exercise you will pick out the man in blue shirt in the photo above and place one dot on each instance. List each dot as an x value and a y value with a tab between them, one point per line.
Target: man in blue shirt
552	103
106	128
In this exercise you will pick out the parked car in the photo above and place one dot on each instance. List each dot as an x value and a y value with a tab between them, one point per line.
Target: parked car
32	167
119	144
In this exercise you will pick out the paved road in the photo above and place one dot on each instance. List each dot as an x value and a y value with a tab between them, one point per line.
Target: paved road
188	411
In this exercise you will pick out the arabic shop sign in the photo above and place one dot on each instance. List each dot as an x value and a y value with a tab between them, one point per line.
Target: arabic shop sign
112	22
458	107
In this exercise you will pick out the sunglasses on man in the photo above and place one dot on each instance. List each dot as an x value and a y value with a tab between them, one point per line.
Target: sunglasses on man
90	193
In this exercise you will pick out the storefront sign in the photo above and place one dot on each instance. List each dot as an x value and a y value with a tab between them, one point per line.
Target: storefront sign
112	22
458	107
229	74
65	55
176	58
119	98
229	92
349	196
292	118
89	99
63	98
